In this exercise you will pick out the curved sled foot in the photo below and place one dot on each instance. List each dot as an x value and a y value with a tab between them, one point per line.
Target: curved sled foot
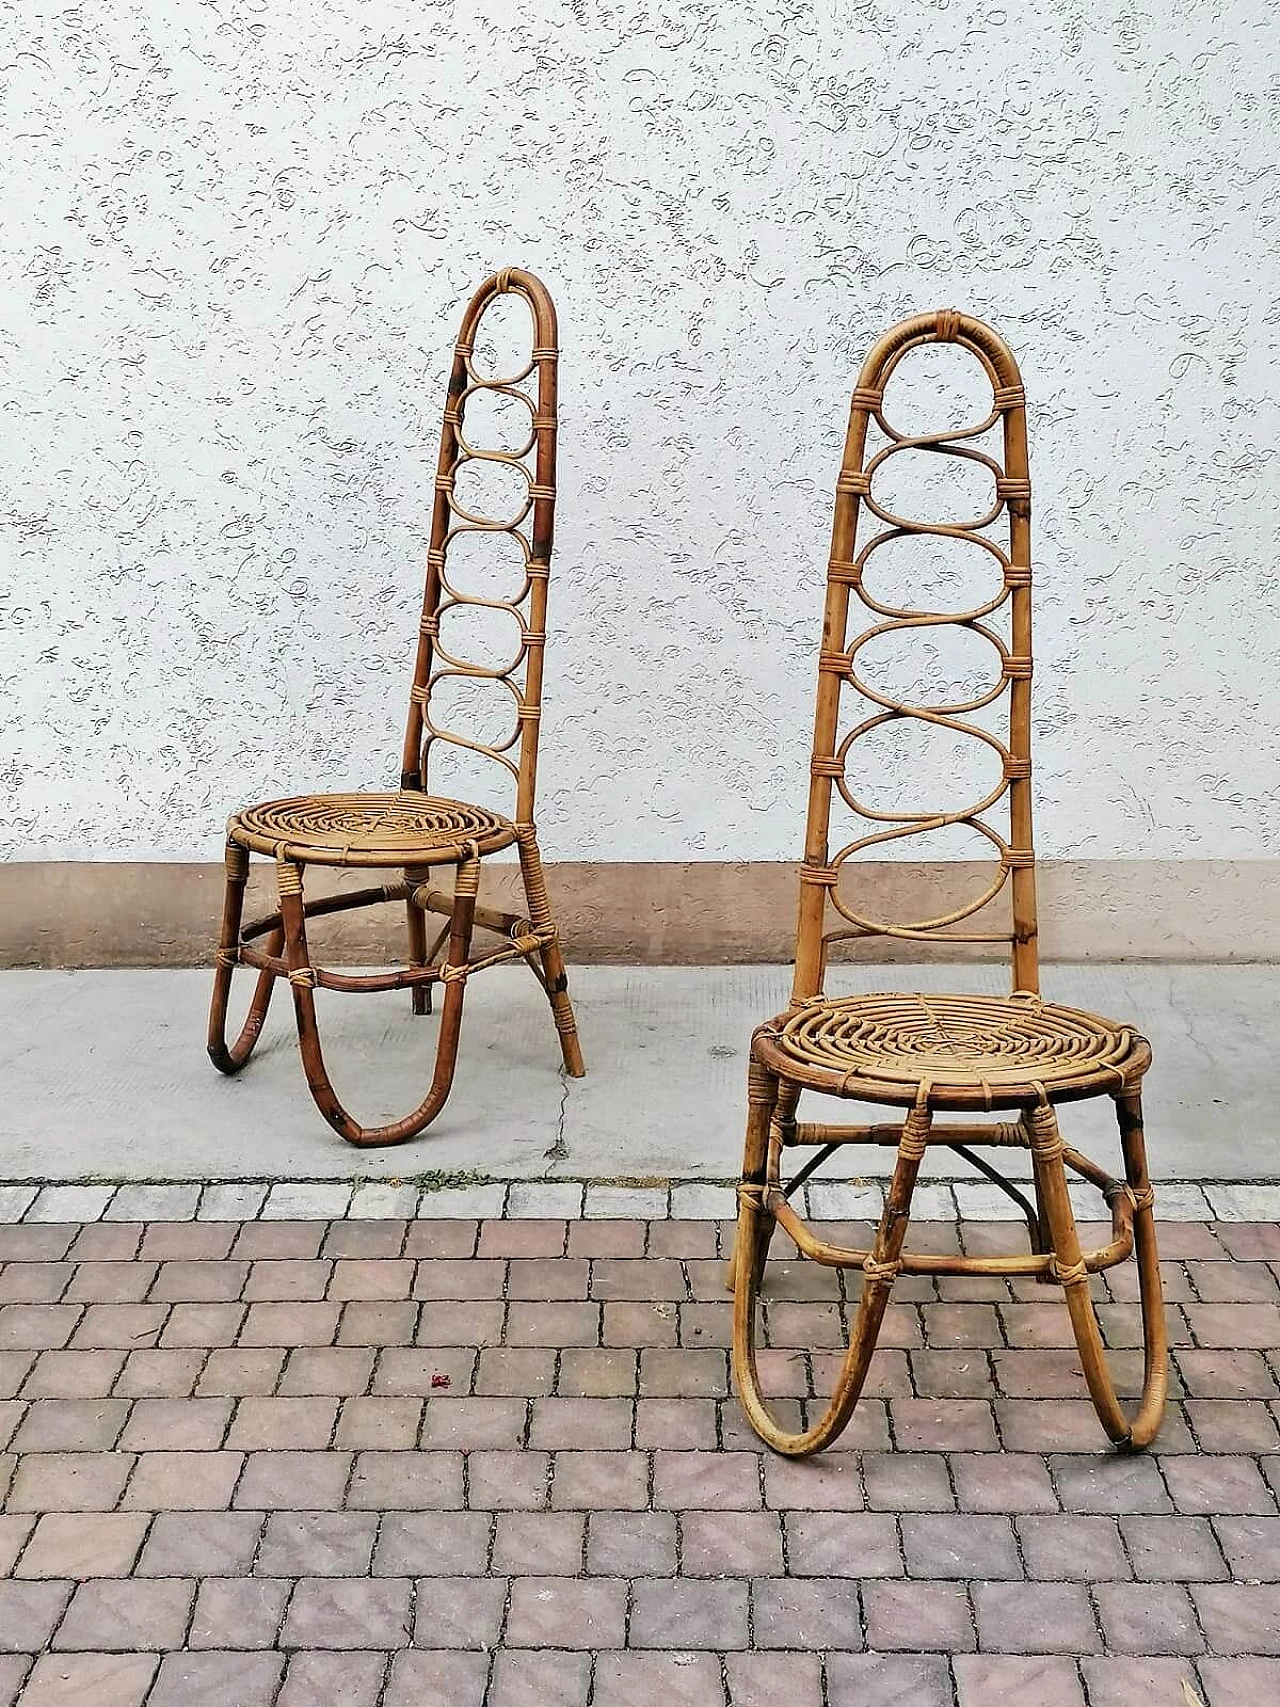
230	1058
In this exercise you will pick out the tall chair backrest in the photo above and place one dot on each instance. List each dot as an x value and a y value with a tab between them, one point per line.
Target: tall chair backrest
863	524
528	526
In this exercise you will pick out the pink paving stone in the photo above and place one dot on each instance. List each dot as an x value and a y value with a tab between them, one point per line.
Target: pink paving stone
317	1544
83	1544
287	1281
790	1613
472	1424
1230	1682
344	1613
598	1372
372	1278
405	1371
446	1238
634	1325
676	1423
437	1543
631	1543
470	1277
643	1679
1060	1547
344	1679
676	1613
217	1679
600	1481
238	1612
1217	1486
365	1238
843	1544
902	1481
767	1679
555	1324
555	1678
544	1278
1219	1374
531	1238
13	1671
607	1239
723	1481
63	1374
943	1425
143	1614
731	1544
1002	1482
559	1612
69	1481
1147	1618
29	1614
183	1481
42	1283
510	1481
103	1680
890	1680
437	1679
538	1543
293	1481
14	1532
1251	1546
1035	1618
585	1423
813	1484
1239	1618
917	1617
403	1480
160	1373
1048	1681
1120	1680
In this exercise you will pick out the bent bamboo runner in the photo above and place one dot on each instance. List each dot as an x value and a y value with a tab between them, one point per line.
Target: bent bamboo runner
412	829
931	1053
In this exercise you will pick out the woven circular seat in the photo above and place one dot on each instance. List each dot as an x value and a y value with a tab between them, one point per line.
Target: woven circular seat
369	829
971	1051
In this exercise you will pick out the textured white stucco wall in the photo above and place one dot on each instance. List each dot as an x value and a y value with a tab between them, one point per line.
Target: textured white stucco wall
238	234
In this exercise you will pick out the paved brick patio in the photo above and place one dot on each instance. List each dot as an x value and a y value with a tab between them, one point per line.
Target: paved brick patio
448	1462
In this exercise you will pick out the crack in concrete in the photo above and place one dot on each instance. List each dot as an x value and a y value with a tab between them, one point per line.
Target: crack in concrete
558	1150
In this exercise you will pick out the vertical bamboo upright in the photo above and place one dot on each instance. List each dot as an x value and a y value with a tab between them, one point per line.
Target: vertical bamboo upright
932	1053
412	829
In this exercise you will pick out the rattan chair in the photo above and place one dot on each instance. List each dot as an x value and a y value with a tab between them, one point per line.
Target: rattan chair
931	1054
412	829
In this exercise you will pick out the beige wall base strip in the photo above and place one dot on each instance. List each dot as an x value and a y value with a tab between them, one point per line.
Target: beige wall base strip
159	914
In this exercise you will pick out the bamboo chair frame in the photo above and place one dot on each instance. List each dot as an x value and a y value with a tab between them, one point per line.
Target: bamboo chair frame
932	1053
412	829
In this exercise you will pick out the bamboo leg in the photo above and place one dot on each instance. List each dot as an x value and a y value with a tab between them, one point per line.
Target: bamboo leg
879	1271
787	1098
553	970
302	981
1155	1327
230	1059
420	994
1051	1183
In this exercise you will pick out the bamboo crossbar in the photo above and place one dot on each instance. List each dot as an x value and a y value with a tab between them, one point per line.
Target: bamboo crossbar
429	900
1005	1133
1033	1264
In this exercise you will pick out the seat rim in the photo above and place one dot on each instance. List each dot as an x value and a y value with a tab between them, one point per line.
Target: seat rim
251	827
998	1088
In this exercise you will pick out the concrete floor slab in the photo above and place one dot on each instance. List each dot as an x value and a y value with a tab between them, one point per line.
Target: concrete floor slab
104	1073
